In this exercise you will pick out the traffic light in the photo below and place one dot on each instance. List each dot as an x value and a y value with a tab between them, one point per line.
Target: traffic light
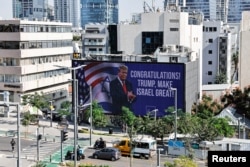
64	135
39	137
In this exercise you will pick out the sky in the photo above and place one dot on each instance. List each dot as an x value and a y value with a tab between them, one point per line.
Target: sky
126	8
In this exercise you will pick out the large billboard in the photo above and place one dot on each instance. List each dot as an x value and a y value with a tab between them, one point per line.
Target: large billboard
149	82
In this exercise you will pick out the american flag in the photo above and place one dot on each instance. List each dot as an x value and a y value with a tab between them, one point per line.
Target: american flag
97	75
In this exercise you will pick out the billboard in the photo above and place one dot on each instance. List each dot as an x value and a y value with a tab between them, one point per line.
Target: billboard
150	83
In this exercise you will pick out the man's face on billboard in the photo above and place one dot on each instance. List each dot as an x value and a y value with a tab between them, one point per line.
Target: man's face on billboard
123	74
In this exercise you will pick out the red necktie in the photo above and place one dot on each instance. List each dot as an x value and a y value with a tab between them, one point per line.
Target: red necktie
124	87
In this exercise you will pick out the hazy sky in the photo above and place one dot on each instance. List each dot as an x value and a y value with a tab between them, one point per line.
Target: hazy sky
126	8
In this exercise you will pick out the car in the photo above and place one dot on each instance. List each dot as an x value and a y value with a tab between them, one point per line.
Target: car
109	153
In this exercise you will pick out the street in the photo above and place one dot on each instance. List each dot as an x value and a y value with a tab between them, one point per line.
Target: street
6	147
124	161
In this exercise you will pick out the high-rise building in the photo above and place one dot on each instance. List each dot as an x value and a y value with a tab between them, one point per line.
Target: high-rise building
68	11
30	9
99	11
228	11
244	49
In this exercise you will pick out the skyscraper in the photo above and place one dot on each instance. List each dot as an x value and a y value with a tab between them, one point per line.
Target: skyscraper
224	10
99	11
30	9
68	11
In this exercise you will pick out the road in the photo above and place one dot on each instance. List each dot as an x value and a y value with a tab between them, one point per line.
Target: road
6	147
125	161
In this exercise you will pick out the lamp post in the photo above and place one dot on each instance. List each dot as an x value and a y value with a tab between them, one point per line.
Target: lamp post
91	115
75	109
244	127
155	110
17	105
74	106
51	115
175	108
239	127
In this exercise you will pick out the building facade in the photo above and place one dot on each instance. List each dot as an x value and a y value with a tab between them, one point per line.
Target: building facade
31	53
219	45
68	11
244	60
30	9
99	11
95	40
228	11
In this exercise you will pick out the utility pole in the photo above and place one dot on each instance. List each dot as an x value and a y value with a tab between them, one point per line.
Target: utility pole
6	103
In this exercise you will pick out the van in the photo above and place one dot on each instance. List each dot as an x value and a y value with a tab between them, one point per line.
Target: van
142	147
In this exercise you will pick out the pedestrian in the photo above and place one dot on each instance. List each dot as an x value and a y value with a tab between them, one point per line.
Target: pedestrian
12	143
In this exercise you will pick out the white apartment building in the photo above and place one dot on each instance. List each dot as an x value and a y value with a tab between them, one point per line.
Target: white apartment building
244	50
31	53
217	51
95	39
169	28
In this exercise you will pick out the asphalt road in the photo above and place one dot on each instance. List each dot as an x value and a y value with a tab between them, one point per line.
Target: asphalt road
5	147
125	161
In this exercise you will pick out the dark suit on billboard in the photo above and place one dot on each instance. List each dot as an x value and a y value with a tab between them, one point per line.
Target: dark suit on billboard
119	96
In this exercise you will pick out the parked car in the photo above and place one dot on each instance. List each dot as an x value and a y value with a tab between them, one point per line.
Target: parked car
107	153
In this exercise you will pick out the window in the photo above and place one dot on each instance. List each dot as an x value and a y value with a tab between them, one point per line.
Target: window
210	62
174	21
174	29
210	52
210	40
210	73
148	40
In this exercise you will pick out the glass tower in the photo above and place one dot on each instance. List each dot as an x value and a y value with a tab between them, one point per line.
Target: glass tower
99	11
224	10
30	9
68	11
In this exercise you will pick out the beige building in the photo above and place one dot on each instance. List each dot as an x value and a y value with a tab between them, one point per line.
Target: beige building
30	55
244	57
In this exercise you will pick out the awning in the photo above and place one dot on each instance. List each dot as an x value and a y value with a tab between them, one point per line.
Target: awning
32	110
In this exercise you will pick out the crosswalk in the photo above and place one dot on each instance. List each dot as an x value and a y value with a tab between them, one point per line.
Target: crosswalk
45	150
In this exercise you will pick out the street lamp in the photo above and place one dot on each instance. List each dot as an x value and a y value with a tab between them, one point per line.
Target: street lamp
155	110
51	107
244	127
239	127
91	115
175	108
17	105
74	106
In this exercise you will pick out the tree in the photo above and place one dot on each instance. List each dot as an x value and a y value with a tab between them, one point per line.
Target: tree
207	127
27	119
37	100
98	116
65	108
207	107
129	119
220	78
238	99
